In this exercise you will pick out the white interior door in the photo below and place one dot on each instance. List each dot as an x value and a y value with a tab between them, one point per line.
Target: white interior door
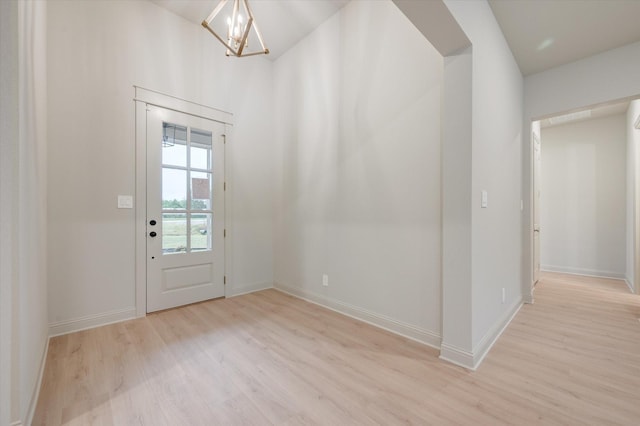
185	209
536	208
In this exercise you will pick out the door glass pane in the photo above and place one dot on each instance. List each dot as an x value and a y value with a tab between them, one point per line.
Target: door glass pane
201	227
174	233
174	189
200	149
174	145
201	191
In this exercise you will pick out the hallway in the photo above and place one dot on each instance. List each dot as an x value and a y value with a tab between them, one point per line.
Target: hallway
576	351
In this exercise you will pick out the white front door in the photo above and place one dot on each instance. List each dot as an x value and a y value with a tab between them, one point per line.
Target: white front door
185	209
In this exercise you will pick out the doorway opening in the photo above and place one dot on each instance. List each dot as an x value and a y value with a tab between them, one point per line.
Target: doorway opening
585	174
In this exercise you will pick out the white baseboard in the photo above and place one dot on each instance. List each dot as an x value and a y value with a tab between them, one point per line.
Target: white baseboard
18	423
91	321
628	283
457	356
36	392
249	288
409	331
482	349
582	271
472	360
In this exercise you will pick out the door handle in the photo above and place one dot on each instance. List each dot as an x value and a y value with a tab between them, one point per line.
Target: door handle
152	234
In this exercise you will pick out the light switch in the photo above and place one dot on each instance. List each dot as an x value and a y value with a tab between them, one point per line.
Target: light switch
483	200
125	201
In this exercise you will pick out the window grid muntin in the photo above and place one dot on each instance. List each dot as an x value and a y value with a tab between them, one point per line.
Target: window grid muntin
188	211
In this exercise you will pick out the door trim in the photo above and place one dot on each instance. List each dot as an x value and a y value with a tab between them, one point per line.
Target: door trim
177	104
536	138
527	291
141	98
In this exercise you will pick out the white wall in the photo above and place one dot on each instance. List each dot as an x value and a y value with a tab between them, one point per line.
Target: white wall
496	157
605	77
583	197
633	168
98	50
358	128
32	227
9	114
23	189
600	78
457	131
494	148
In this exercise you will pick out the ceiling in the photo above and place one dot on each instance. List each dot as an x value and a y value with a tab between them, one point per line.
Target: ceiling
543	34
283	23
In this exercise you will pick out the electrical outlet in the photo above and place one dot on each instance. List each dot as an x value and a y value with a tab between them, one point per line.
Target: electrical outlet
504	295
325	280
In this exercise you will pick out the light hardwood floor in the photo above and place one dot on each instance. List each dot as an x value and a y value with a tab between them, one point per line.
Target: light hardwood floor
267	358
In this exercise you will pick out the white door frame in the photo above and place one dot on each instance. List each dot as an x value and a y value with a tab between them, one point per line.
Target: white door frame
536	134
636	213
527	291
142	98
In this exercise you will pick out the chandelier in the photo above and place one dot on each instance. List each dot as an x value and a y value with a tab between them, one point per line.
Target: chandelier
238	26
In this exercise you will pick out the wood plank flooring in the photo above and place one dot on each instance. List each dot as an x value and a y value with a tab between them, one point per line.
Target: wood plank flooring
267	358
